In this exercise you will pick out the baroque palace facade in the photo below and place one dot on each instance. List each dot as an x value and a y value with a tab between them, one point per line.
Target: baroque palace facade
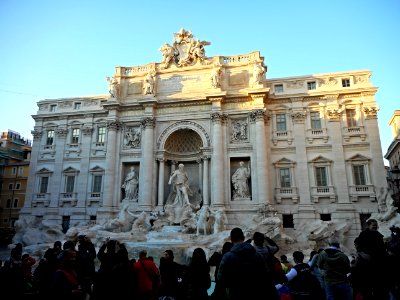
311	142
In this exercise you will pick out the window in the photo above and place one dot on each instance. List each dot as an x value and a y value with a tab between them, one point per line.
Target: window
320	176
284	174
15	203
287	221
359	175
77	105
65	223
97	179
92	220
311	85
44	182
351	117
14	170
8	205
69	185
10	186
53	107
281	122
75	135
325	217
345	82
315	120
278	88
101	135
50	137
21	170
17	186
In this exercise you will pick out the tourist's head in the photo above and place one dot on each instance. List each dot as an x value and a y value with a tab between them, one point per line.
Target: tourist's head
298	256
258	238
142	253
169	254
237	235
372	224
284	258
333	242
226	247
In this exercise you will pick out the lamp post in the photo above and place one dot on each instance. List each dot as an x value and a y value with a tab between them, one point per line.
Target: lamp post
395	178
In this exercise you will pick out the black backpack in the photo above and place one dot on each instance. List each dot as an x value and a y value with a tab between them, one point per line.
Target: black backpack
305	283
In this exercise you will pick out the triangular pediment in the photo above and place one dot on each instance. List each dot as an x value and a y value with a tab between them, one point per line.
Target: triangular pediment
284	161
359	157
97	169
44	171
320	159
70	170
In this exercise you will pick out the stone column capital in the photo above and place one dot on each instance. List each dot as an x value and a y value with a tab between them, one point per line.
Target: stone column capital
298	117
258	115
114	125
334	115
148	122
371	112
37	134
218	117
61	132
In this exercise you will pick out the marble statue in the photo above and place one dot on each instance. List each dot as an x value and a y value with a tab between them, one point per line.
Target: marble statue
240	182
168	53
202	220
386	208
220	220
239	131
132	138
149	84
113	86
216	78
258	72
130	185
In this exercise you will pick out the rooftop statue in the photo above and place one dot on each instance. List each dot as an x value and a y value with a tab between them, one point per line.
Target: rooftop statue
184	51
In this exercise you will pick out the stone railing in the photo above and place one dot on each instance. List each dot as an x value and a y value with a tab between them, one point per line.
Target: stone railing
286	193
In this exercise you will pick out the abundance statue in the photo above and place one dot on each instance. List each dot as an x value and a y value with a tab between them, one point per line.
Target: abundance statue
258	72
113	86
130	185
240	182
216	78
149	82
178	200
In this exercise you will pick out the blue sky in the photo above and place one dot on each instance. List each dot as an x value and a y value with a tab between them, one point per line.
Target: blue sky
56	49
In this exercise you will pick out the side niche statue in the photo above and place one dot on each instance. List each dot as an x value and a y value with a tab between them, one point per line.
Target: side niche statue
113	87
130	185
240	182
258	72
149	84
216	77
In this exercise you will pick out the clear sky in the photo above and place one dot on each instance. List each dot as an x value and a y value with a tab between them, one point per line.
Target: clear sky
57	49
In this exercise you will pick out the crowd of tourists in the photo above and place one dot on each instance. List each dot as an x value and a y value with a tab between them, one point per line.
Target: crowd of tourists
244	269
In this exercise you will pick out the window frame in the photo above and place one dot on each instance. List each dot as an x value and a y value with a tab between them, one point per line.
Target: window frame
281	124
351	117
346	82
315	120
278	88
75	135
50	137
311	85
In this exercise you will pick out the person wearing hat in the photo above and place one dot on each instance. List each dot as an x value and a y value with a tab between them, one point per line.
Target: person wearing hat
335	265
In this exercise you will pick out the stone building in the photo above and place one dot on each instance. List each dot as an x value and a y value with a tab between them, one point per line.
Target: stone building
310	144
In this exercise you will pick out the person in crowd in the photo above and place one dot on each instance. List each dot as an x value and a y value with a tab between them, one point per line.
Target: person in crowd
198	276
85	257
315	269
65	284
302	283
171	274
148	277
215	260
27	263
243	273
286	265
335	265
13	274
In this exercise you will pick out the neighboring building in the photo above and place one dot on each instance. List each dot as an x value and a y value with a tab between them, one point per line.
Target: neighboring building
393	156
15	153
312	142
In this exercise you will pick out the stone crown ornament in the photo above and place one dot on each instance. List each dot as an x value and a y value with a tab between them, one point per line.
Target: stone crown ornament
185	50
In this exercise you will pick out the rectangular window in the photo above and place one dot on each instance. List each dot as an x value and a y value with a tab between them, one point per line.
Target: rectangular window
287	221
359	175
281	122
21	170
70	182
65	223
284	175
15	203
50	137
351	118
14	170
325	217
311	85
17	186
44	182
320	176
97	183
278	88
75	135
315	120
53	107
77	105
10	186
8	205
345	82
101	135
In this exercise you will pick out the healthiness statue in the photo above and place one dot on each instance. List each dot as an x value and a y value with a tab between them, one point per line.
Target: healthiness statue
240	182
113	87
130	185
149	83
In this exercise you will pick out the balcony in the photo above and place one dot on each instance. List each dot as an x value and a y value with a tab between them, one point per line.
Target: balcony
68	199
318	192
357	191
349	132
282	136
286	193
41	200
94	198
313	134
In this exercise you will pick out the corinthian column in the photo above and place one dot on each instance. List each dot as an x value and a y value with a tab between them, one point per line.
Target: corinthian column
148	124
206	200
160	182
261	166
109	188
217	163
